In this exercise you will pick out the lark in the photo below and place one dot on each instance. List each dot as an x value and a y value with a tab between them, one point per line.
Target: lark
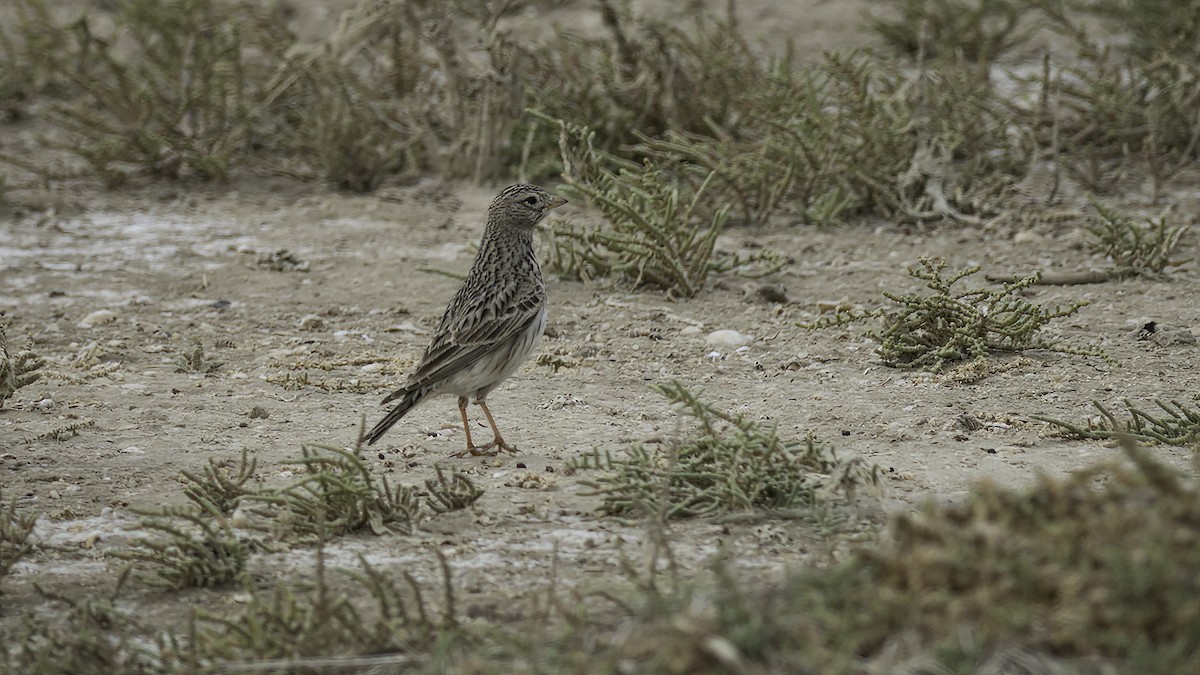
493	323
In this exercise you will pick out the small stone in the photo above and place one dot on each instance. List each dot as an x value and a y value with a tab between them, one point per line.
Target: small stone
1028	237
311	322
98	318
727	338
259	413
772	293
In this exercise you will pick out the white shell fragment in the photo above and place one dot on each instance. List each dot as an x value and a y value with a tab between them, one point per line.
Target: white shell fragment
727	338
98	318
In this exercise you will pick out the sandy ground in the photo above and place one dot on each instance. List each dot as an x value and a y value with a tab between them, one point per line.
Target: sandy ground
158	268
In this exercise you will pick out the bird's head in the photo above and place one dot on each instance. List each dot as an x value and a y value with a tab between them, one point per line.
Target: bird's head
522	206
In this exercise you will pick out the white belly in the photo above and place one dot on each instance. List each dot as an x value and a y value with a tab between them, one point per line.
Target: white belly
488	372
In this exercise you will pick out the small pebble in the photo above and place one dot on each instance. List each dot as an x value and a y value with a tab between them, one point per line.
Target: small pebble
1028	237
97	318
727	338
773	293
311	322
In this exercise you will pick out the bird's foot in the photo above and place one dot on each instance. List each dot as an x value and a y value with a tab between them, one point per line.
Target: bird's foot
487	450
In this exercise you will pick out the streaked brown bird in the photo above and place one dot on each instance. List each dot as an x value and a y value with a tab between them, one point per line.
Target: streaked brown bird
493	323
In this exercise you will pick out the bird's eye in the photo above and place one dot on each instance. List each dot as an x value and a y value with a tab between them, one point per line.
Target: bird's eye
532	201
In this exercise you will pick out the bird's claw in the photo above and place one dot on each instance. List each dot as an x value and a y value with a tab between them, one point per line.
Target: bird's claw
487	450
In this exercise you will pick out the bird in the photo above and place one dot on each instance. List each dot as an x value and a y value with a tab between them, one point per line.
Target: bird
493	323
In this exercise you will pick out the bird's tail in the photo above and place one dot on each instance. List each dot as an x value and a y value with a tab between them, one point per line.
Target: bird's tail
408	400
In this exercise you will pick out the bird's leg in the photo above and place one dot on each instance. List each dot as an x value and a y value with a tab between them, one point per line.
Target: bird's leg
462	410
498	442
480	450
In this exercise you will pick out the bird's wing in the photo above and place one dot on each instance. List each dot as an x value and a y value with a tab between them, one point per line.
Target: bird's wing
474	325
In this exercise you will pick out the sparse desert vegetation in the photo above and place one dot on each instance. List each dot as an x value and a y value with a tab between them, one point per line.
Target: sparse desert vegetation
228	226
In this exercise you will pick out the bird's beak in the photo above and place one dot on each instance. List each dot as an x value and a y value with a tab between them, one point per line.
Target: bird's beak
555	202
